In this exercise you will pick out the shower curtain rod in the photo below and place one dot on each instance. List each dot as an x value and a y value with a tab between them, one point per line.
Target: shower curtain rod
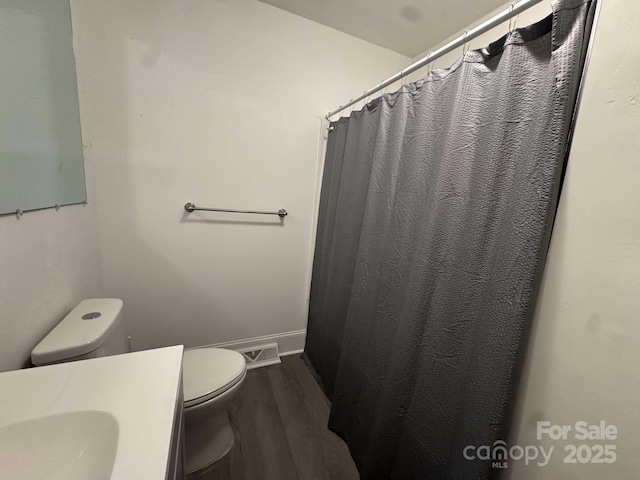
512	11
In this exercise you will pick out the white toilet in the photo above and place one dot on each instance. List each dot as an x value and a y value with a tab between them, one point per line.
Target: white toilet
210	376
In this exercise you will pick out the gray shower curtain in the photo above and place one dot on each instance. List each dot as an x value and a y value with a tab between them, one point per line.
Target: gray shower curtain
435	217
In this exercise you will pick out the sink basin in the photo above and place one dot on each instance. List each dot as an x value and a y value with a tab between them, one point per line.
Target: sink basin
74	445
109	418
70	446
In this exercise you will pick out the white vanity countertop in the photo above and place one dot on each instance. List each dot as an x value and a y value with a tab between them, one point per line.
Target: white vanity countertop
139	389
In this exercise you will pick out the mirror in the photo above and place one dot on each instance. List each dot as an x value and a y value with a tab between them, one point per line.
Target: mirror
41	163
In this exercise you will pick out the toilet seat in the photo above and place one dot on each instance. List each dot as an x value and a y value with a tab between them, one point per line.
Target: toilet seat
208	372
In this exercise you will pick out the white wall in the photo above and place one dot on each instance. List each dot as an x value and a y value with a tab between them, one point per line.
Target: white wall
216	102
49	261
583	357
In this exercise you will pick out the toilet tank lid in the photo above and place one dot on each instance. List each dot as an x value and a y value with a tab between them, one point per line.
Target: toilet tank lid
85	329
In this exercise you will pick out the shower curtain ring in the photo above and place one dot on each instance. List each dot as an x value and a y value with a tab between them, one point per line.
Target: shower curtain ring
464	41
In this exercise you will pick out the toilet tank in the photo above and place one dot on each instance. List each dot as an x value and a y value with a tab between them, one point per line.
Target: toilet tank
92	329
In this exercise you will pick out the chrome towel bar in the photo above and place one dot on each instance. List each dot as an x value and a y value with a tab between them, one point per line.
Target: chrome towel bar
190	207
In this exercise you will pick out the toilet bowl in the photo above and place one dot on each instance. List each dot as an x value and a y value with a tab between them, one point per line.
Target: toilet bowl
210	376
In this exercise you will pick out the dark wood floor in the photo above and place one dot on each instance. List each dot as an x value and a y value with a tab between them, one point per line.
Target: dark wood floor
280	419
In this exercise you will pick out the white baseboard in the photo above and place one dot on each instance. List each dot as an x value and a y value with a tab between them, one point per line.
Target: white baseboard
289	343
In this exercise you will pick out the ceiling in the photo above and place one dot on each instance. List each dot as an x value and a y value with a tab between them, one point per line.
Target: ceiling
408	27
